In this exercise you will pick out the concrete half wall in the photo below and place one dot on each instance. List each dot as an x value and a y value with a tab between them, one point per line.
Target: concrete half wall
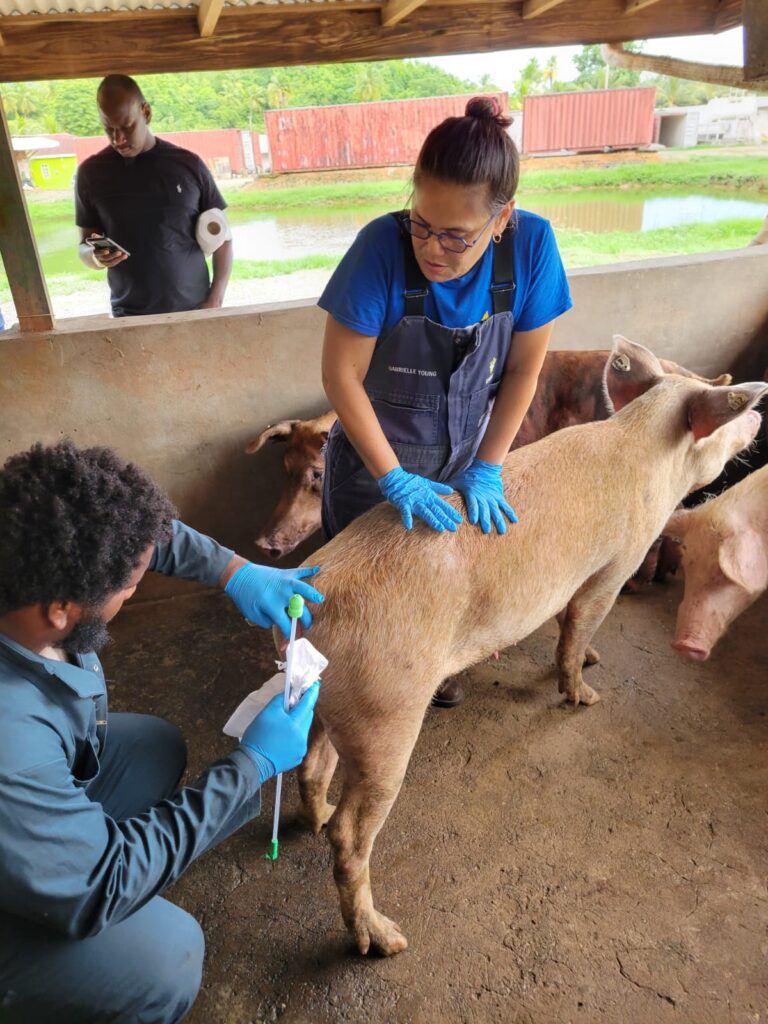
183	394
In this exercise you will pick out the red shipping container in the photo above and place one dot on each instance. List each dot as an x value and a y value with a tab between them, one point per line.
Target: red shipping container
595	120
221	149
357	134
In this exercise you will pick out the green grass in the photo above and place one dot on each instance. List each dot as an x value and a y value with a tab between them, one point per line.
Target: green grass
249	270
335	193
583	249
698	172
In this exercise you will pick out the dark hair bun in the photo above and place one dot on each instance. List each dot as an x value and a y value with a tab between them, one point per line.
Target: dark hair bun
487	108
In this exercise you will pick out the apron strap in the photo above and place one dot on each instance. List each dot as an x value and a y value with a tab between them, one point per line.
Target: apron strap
503	286
416	285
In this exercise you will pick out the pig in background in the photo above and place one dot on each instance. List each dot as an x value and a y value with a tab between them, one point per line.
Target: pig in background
406	609
723	551
297	513
570	391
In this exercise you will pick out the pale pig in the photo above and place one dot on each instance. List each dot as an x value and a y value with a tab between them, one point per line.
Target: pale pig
406	609
724	555
569	391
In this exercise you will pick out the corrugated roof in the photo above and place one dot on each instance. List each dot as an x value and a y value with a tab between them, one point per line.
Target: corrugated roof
48	7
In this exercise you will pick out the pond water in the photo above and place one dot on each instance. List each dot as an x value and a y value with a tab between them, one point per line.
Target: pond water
308	231
286	234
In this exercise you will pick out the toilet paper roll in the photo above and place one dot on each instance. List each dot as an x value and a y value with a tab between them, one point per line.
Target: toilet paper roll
212	230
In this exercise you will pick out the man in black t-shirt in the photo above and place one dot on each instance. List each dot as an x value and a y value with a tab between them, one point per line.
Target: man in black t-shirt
146	195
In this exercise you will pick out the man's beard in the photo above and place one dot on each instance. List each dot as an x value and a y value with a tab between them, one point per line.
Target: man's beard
90	634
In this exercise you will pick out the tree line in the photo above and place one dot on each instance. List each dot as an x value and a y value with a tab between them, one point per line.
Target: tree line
190	101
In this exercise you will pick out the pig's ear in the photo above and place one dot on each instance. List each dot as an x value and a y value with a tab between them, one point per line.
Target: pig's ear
742	560
277	432
670	367
677	524
714	407
630	371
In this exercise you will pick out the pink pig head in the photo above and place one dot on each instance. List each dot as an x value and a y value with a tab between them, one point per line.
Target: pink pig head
723	556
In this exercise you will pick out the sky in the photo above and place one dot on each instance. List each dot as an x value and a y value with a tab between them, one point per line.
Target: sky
505	66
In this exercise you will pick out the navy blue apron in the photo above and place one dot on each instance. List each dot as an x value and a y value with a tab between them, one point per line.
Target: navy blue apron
432	388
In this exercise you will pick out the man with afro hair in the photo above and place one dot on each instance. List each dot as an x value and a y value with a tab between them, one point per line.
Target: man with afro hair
93	826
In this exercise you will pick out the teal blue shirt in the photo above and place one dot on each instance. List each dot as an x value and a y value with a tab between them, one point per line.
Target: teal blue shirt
63	861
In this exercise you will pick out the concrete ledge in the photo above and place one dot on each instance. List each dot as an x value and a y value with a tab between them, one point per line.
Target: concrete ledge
182	394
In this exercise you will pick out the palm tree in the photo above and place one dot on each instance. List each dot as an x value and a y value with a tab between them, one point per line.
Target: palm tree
550	72
528	83
247	96
19	103
278	91
368	83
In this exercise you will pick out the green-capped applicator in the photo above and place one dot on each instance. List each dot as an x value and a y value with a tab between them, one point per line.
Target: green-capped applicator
295	609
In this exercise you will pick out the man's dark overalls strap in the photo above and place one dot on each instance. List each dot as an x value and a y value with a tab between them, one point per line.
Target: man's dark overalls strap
432	388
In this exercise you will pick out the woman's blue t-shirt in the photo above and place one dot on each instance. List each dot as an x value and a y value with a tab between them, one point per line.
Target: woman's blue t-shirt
365	292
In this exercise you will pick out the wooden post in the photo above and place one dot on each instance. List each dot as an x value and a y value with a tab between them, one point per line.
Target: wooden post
17	243
755	41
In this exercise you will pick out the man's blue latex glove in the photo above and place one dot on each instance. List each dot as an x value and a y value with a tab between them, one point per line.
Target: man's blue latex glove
412	495
262	594
276	740
483	491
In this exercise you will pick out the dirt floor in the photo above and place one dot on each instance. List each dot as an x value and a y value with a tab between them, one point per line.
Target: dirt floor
607	864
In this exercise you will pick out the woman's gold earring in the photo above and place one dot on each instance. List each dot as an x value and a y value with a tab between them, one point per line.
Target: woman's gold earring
497	239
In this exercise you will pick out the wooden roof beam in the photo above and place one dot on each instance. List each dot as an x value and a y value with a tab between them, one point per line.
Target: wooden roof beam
728	14
756	43
82	46
393	11
616	56
533	8
630	6
207	15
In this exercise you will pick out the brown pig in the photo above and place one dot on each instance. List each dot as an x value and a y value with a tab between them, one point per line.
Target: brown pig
570	391
406	609
724	555
297	514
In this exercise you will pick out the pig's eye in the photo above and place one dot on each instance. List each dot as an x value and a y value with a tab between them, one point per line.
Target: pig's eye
317	474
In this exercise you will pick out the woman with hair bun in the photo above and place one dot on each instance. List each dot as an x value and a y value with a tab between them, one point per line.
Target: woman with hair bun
439	318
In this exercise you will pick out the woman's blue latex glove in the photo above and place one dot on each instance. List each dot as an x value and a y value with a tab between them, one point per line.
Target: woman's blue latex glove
262	594
412	494
276	740
483	491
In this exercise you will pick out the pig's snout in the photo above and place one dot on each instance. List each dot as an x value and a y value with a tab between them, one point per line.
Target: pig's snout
274	547
693	649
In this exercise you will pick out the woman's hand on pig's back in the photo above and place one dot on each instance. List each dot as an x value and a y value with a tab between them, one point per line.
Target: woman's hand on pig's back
414	495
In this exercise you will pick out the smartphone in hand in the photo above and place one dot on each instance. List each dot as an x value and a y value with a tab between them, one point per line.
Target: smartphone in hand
101	244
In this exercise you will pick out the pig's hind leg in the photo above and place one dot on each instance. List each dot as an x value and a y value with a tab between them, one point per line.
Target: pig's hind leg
578	623
591	654
374	766
315	774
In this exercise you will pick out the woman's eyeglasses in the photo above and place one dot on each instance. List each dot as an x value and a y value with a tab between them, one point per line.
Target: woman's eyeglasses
449	242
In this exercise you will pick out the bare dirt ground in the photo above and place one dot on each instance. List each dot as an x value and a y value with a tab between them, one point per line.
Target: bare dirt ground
548	866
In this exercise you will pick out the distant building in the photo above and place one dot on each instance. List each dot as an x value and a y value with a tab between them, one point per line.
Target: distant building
53	170
50	161
734	119
677	126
